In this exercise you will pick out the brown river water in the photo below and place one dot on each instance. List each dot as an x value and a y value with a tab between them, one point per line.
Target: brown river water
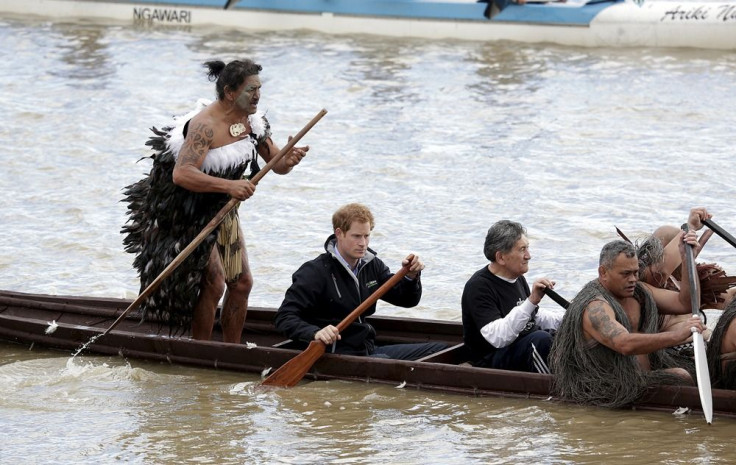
439	138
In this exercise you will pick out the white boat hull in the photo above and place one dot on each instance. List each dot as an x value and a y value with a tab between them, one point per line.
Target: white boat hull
624	24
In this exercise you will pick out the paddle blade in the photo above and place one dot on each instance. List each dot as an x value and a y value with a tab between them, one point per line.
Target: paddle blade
701	368
701	362
294	370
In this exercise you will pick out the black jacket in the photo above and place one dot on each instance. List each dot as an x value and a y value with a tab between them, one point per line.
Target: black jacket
324	291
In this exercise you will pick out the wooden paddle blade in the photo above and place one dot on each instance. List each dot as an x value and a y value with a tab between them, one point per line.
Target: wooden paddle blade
703	377
294	370
701	361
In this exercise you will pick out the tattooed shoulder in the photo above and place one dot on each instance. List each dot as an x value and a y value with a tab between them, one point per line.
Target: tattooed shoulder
601	320
197	144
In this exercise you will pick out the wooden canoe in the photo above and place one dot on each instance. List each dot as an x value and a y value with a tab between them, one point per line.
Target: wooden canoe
25	318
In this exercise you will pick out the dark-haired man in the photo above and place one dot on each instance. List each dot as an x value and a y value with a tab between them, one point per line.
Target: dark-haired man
503	325
199	164
608	350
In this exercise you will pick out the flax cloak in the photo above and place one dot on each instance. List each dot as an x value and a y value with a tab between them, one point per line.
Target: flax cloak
598	375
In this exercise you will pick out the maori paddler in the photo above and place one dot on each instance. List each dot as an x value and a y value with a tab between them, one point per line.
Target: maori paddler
201	161
608	350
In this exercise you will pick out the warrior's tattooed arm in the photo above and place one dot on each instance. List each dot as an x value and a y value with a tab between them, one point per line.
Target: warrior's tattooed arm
196	145
603	321
599	322
188	173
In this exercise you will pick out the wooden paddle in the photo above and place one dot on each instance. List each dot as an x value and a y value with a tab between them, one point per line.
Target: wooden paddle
623	236
720	231
701	362
213	223
557	298
294	370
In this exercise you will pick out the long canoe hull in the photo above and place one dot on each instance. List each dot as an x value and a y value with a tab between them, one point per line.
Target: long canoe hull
615	23
25	319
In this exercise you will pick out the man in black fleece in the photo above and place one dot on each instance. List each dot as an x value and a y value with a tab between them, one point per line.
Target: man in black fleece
503	325
325	290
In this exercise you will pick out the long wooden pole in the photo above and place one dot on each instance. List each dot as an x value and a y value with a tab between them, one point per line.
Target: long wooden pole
291	372
701	362
720	231
557	298
232	203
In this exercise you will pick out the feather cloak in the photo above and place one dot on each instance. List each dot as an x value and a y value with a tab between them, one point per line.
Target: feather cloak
164	218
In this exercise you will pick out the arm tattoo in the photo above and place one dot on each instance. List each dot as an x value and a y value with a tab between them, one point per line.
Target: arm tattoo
602	322
195	148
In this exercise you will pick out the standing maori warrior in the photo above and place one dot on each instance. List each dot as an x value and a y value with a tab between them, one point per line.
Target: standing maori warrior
199	163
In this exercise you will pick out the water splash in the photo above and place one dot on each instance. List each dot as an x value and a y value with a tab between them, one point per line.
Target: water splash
247	388
86	344
66	378
88	370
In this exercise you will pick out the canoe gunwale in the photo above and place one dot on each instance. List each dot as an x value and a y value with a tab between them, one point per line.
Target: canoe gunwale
24	319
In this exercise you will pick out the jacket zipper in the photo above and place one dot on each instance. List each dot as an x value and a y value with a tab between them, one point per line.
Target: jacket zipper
334	280
360	297
357	285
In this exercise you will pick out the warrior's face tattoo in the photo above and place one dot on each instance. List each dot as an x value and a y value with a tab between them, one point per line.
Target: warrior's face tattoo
250	94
